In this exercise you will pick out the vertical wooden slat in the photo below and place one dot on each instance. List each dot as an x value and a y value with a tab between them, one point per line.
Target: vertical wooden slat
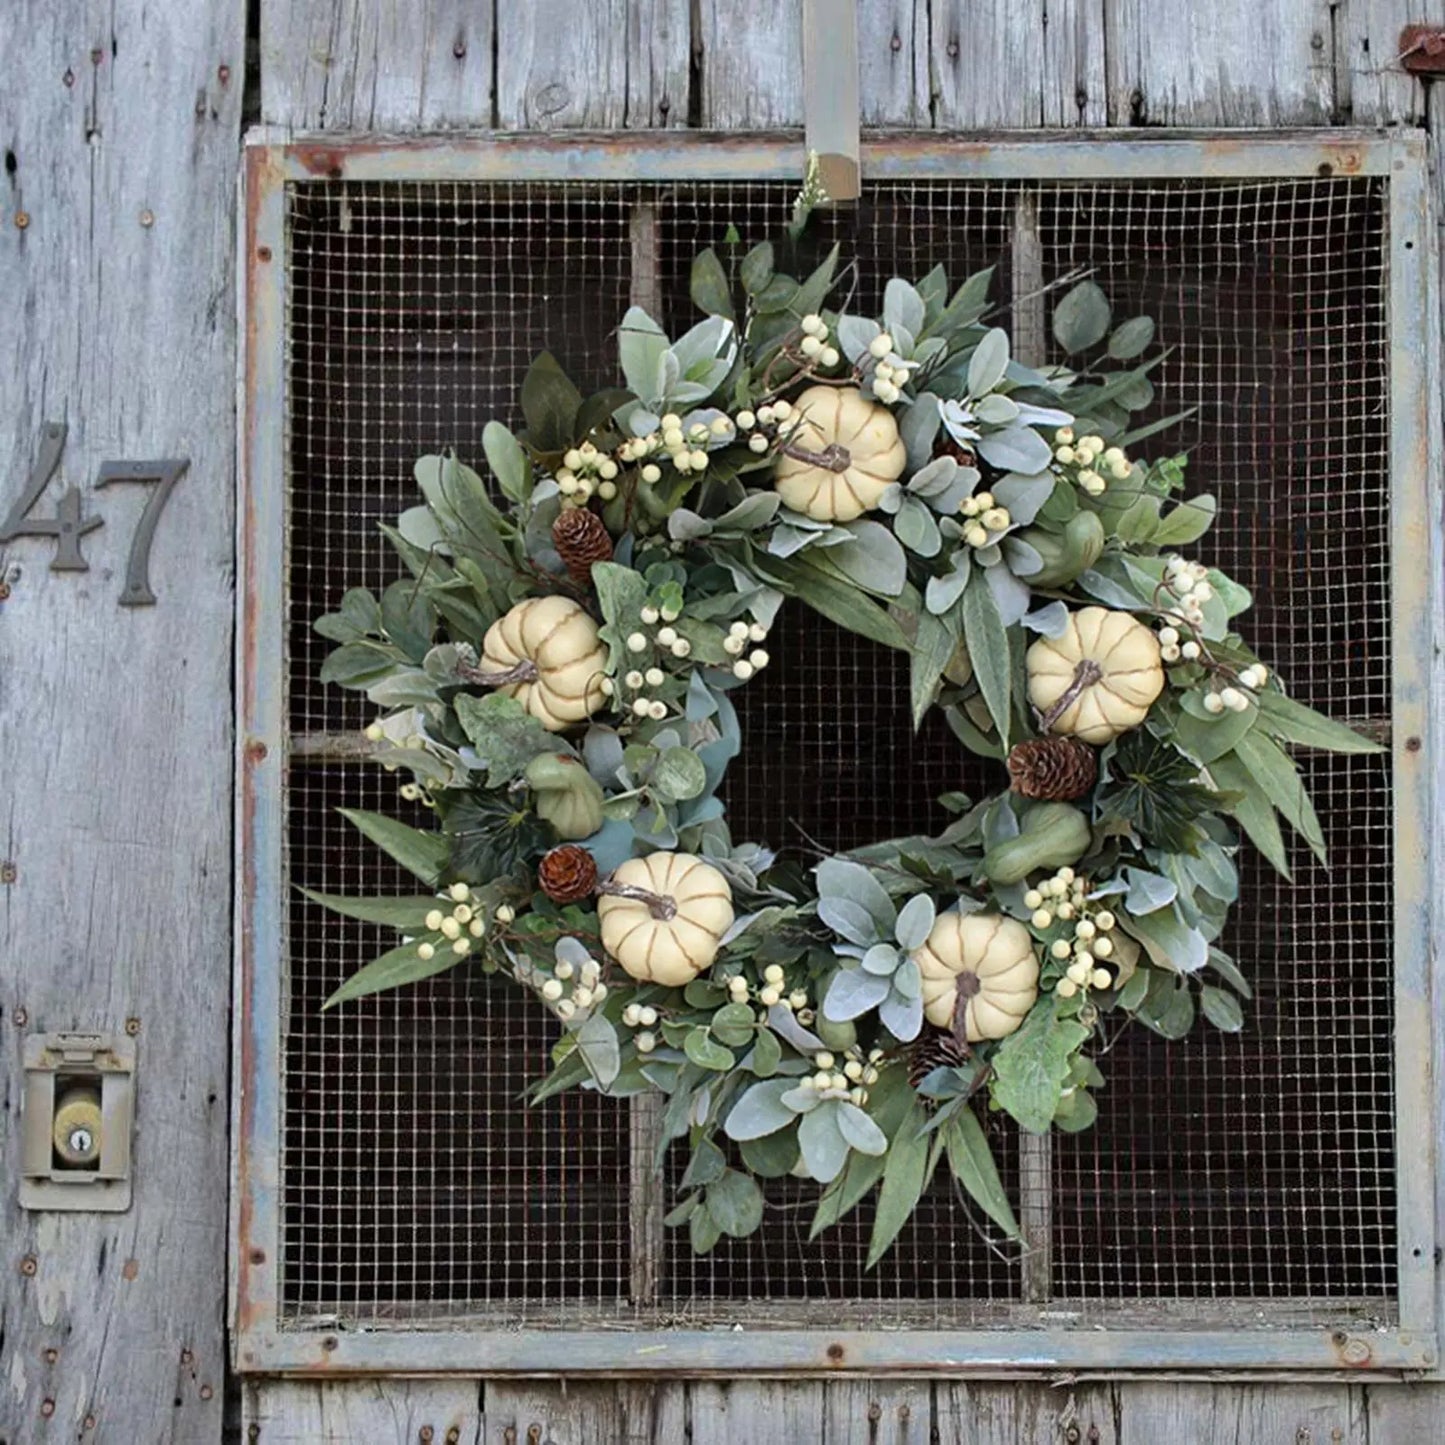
1231	63
760	1412
119	126
1205	1414
350	1412
392	65
877	1412
1375	89
830	93
609	64
647	1191
893	63
1003	1413
1029	319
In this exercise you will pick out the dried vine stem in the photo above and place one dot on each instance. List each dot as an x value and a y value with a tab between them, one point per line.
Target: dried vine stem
524	671
834	458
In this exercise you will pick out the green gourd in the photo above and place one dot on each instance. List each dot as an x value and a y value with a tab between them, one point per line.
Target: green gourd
1065	554
1051	835
567	795
840	1035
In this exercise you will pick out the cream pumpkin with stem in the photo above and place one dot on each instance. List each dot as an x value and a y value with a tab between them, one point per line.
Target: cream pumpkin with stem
841	456
663	916
980	975
1098	678
546	653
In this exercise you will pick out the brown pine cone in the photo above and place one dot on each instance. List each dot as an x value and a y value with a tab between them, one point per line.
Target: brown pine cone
567	874
581	539
934	1049
1054	769
945	446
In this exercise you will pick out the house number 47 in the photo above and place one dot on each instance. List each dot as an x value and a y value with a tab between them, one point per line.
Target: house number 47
68	525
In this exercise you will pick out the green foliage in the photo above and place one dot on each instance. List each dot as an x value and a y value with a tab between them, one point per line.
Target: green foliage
1156	792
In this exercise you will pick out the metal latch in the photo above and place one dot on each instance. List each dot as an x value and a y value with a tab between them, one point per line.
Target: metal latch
1422	49
76	1122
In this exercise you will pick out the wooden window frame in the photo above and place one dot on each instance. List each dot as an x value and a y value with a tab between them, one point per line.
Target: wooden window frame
1270	1335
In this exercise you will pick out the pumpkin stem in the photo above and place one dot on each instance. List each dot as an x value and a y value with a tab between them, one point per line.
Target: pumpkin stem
1086	674
659	905
524	671
967	987
833	458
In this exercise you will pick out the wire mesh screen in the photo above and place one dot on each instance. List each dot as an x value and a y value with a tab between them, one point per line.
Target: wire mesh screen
418	1187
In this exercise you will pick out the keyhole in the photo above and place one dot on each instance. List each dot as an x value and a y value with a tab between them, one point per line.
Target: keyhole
81	1140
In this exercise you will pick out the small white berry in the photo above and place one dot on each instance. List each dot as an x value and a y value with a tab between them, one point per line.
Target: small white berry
567	484
1065	911
451	928
1119	470
654	676
881	345
984	500
636	642
425	951
1066	988
757	444
552	990
631	1015
1083	956
756	632
608	470
649	615
1168	636
823	1060
746	421
563	969
1094	484
733	646
798	998
1042	918
1078	972
375	732
645	1043
1169	653
738	629
1101	978
652	472
769	996
1086	929
648	1015
1033	899
773	973
462	913
838	1081
742	670
477	927
1104	920
666	636
582	997
1064	434
810	346
1261	674
1103	947
698	459
995	519
829	356
812	324
506	913
681	647
870	1075
462	947
765	415
434	919
1190	651
1060	948
853	1069
1065	875
1233	699
459	892
608	687
657	709
572	460
634	679
640	706
1064	454
758	658
975	536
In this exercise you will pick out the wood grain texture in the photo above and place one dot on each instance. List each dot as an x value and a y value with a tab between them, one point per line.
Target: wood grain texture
362	1412
121	123
986	1413
1232	1414
385	65
1230	63
1376	87
893	63
877	1412
762	1412
1018	65
605	64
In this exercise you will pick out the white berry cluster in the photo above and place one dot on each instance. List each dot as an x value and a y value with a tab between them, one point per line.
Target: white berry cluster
644	649
1087	459
771	992
735	644
641	1016
986	519
686	448
773	419
1171	649
1064	898
1232	699
890	372
849	1078
586	472
1187	585
573	989
816	344
455	928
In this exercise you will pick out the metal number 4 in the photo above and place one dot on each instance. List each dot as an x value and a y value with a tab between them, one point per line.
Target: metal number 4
67	526
167	471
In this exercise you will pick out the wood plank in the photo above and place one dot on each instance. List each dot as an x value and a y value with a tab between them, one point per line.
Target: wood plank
893	63
1231	63
761	1412
1404	1414
1206	1414
120	125
376	65
350	1412
1020	65
1376	88
562	1413
1005	1413
877	1412
606	65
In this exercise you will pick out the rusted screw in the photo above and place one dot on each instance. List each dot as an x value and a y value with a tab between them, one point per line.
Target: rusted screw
51	1356
875	1410
453	1435
90	1422
22	220
28	1266
263	253
1072	1434
206	1392
47	1408
426	1435
896	43
22	1017
253	1432
459	47
257	1256
1412	745
329	1343
9	872
534	1434
223	74
187	1358
147	219
132	1026
4	591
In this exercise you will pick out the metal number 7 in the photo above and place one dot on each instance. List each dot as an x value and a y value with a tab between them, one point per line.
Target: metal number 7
167	471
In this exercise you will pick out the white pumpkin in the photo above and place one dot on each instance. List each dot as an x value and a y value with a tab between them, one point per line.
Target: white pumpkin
1111	696
864	452
561	643
986	959
666	949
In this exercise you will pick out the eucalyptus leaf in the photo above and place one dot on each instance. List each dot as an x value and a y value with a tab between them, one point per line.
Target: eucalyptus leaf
735	1203
905	1174
1015	449
422	854
597	1043
842	878
1221	1009
988	648
404	913
917	530
873	559
821	1141
852	993
972	1163
393	969
706	1053
989	362
915	922
859	1130
1131	338
1081	319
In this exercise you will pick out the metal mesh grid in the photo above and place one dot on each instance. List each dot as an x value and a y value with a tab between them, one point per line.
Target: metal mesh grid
417	1187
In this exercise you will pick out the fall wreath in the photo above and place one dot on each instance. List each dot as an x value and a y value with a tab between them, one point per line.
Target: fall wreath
555	677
